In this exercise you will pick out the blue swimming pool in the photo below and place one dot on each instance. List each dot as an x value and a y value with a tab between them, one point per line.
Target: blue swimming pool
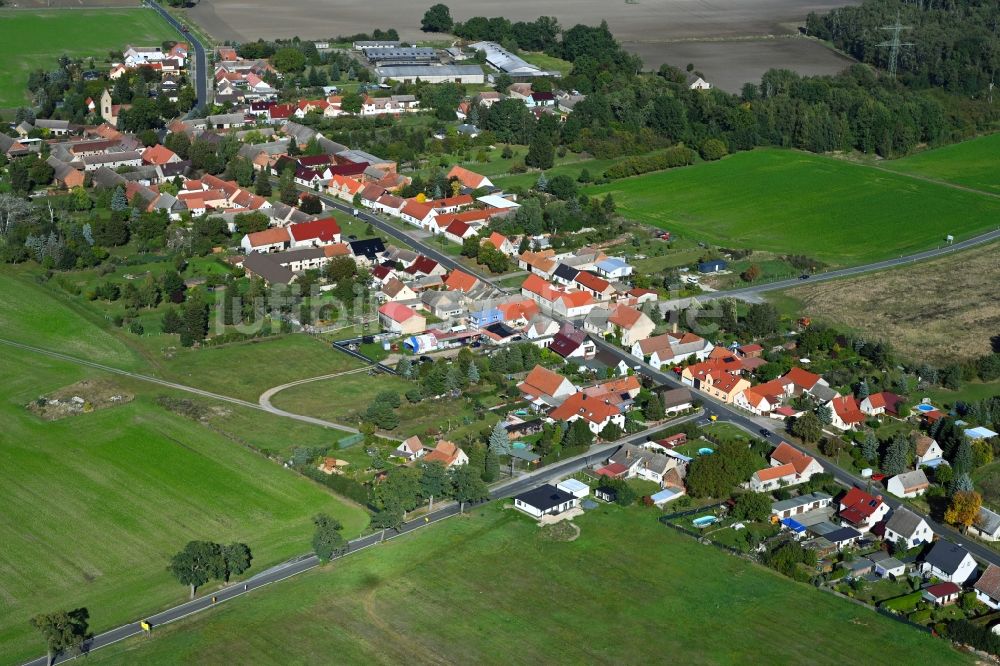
925	408
704	451
519	445
704	521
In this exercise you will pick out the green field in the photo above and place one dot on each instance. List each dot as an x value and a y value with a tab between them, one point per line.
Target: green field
36	39
95	504
973	163
791	202
488	589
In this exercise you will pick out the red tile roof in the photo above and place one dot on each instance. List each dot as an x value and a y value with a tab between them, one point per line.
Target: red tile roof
268	237
802	379
785	453
778	472
469	179
848	410
460	281
541	381
591	281
325	230
397	311
858	506
594	410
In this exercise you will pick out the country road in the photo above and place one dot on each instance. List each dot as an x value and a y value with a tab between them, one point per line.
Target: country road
200	59
307	562
179	387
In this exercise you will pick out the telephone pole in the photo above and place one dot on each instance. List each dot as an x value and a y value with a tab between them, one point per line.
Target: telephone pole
894	44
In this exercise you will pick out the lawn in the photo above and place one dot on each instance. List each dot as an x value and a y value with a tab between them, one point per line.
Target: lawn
36	39
972	163
941	311
31	314
790	202
247	369
548	62
488	589
342	400
94	505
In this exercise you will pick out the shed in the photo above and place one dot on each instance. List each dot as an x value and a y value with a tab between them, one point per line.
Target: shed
713	266
575	488
605	493
666	495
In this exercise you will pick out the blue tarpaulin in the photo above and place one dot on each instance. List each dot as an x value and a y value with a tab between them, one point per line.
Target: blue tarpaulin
793	525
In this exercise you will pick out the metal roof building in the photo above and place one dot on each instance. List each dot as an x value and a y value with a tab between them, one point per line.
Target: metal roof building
431	73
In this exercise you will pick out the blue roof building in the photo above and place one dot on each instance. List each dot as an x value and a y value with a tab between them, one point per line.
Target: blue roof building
713	266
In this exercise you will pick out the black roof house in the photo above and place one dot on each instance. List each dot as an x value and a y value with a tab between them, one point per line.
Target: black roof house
544	497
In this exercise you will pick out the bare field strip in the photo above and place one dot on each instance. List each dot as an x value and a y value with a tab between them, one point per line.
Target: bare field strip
649	21
728	64
939	310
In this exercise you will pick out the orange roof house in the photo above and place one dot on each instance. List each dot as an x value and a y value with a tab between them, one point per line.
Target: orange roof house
159	154
448	454
460	281
469	179
542	383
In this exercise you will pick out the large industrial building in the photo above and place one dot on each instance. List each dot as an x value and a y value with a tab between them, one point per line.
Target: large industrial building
514	66
431	73
402	55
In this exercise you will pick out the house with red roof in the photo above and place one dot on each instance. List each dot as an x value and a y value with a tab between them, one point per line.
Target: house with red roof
719	377
878	404
275	239
344	187
805	466
860	510
448	454
417	214
458	231
159	154
846	414
598	413
758	400
468	179
594	285
631	325
798	381
942	594
316	233
424	266
460	281
400	319
546	387
771	478
574	304
501	243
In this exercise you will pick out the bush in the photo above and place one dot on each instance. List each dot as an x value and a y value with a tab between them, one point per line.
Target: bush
713	149
632	166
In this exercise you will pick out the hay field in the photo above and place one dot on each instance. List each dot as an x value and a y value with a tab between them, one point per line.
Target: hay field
942	310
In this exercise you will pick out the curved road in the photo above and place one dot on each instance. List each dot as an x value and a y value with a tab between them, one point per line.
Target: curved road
179	387
306	562
265	397
201	62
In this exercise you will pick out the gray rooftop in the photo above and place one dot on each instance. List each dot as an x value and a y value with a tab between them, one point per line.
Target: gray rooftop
416	71
903	521
802	500
988	521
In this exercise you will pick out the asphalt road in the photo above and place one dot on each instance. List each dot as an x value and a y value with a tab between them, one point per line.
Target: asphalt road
201	62
755	290
306	562
180	387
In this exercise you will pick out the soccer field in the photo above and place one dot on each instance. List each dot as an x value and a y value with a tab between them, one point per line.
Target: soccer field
488	589
35	39
797	203
973	163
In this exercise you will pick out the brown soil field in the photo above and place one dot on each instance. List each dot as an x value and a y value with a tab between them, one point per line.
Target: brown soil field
940	310
729	64
647	21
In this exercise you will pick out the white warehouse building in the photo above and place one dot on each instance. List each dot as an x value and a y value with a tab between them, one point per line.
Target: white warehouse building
431	73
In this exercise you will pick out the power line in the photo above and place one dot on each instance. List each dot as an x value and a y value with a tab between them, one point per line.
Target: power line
894	44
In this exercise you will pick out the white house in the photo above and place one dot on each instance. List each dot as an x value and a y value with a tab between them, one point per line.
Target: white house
861	510
928	451
596	412
546	386
799	505
411	448
906	526
886	566
988	587
771	478
545	500
908	484
949	562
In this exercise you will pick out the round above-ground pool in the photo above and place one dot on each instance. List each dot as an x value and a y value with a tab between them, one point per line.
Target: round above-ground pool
704	521
925	408
704	451
519	445
521	412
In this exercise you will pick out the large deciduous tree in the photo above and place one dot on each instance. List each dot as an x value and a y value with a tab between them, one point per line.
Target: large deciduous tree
62	630
198	563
